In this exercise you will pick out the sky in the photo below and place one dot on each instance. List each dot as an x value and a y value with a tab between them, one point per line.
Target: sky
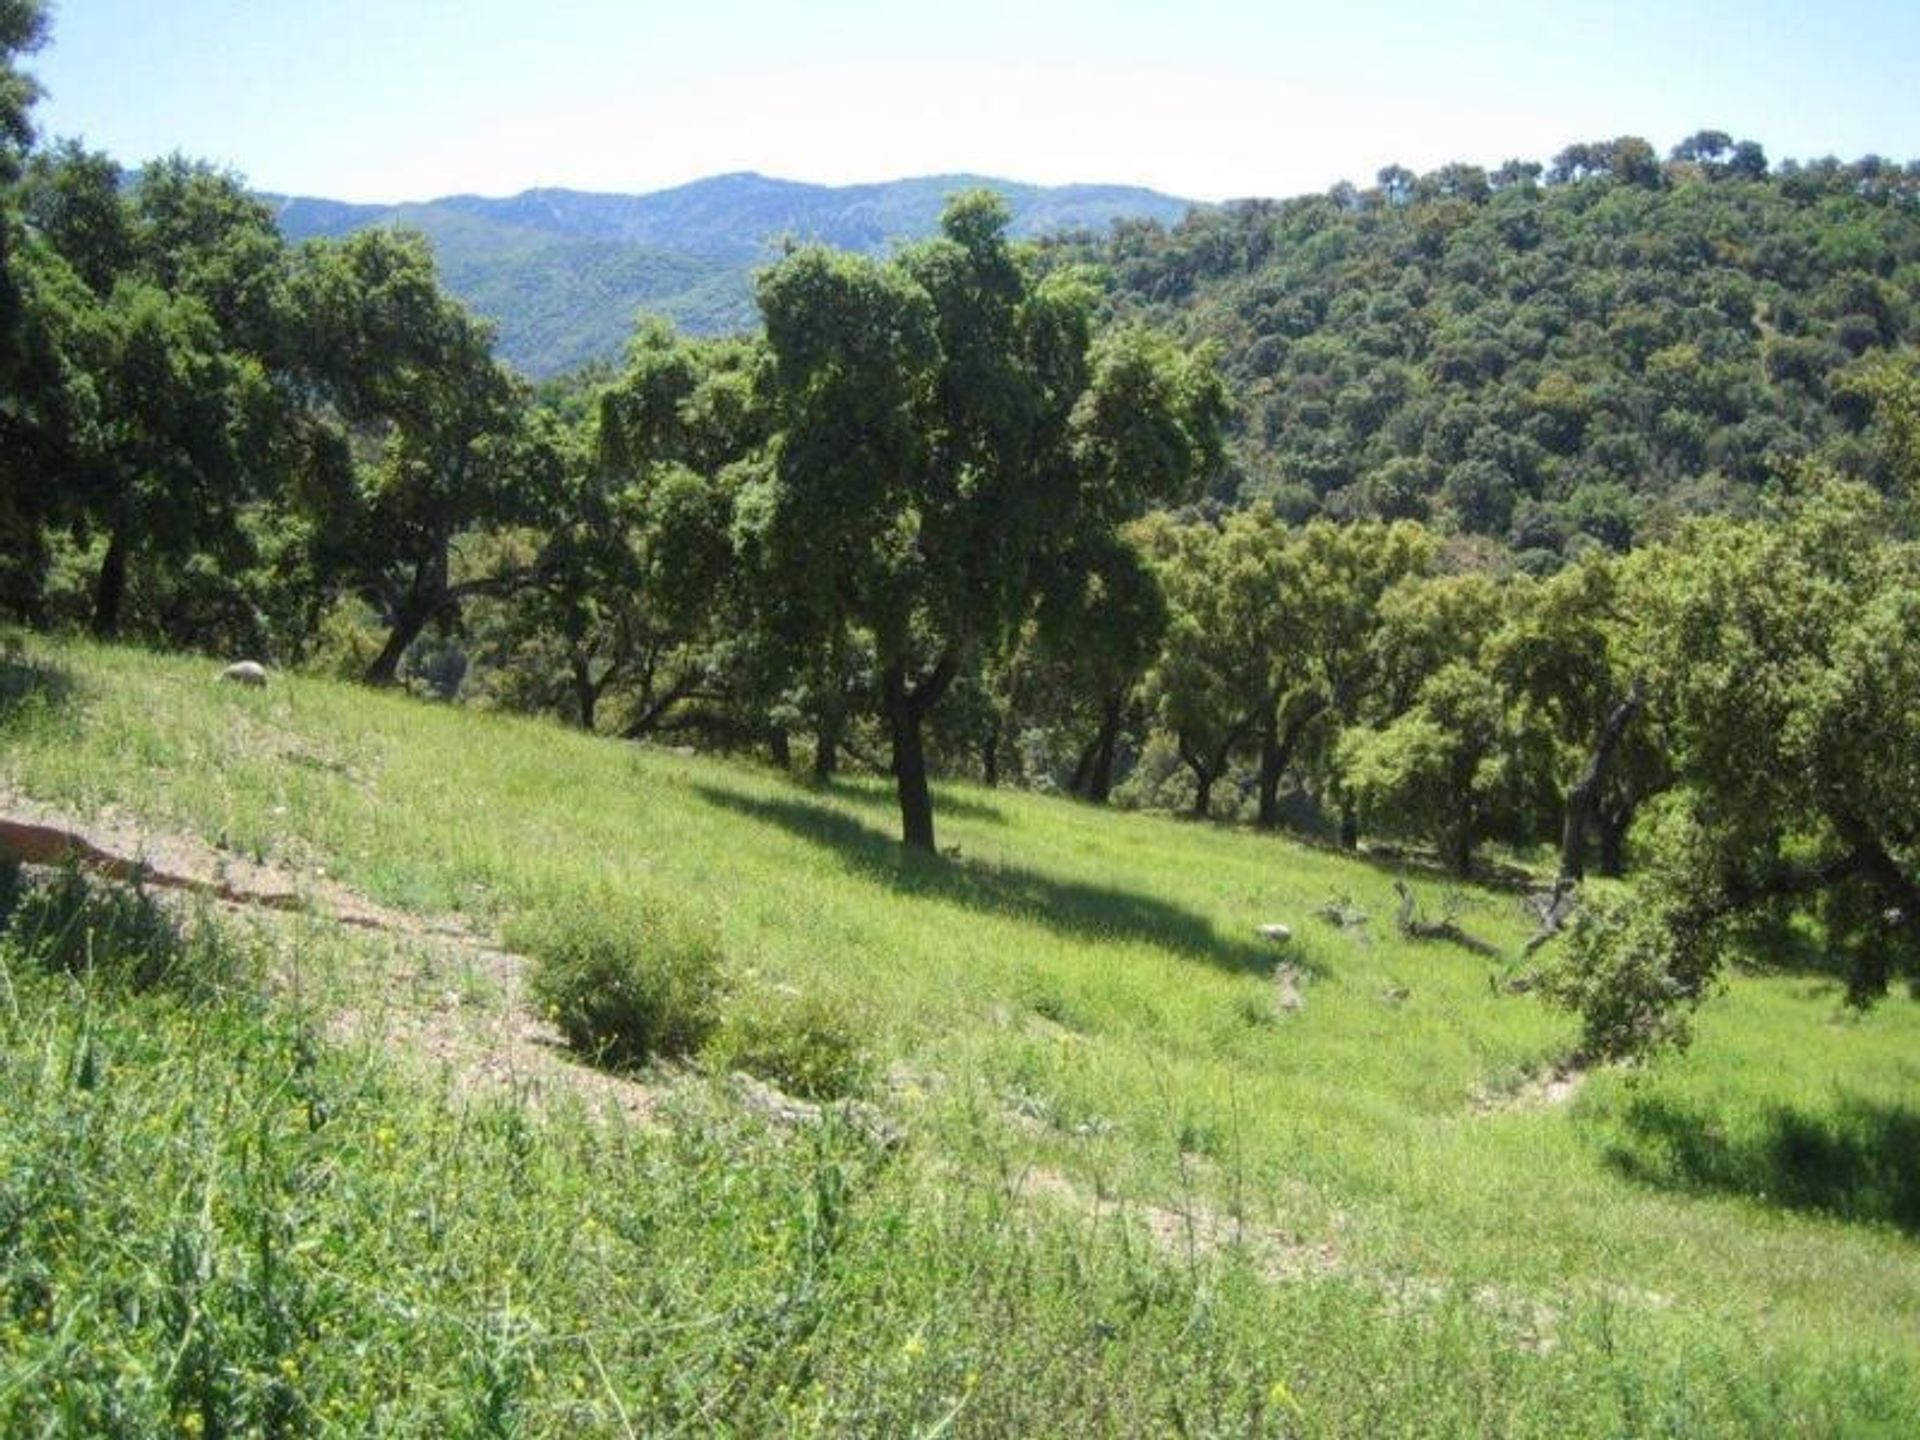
387	100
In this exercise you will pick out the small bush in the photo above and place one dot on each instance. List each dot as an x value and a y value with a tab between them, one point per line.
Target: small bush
808	1044
626	981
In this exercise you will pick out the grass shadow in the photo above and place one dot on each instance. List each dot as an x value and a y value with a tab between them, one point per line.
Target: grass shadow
30	689
1860	1162
1088	912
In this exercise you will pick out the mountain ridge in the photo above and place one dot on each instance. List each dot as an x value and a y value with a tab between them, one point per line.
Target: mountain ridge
564	273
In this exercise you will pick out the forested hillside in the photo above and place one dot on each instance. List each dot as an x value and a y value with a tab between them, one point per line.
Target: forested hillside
1546	355
564	273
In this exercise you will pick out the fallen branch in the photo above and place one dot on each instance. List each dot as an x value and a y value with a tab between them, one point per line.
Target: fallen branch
1553	908
1411	925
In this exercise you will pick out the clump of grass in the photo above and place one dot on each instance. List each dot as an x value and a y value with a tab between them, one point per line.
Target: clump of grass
810	1044
118	933
626	980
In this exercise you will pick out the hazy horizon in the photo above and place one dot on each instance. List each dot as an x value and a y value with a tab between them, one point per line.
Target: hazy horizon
377	103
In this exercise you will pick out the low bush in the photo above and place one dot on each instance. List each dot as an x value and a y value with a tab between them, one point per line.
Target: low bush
809	1044
627	981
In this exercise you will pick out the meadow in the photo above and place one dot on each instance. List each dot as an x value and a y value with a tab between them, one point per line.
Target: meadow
1128	1184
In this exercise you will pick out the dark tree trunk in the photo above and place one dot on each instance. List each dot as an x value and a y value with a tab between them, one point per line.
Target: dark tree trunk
907	706
426	596
1202	794
1458	848
1612	825
1203	775
1583	798
1277	744
1082	782
1100	777
826	747
586	694
407	625
110	592
1349	826
990	758
782	748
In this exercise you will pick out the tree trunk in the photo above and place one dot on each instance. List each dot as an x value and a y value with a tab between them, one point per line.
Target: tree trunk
909	764
1202	794
907	708
425	597
1349	826
1613	825
1277	744
586	694
1100	778
1082	782
110	592
1583	798
1458	848
990	758
782	748
826	746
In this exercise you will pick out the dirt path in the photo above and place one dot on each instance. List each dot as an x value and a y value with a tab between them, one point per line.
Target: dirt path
433	990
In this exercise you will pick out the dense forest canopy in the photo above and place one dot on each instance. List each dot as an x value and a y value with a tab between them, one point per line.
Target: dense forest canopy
1553	356
1571	508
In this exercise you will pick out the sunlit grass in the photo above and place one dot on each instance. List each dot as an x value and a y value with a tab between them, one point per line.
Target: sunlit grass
1719	1241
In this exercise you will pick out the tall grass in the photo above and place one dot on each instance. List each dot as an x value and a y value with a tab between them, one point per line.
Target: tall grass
1072	995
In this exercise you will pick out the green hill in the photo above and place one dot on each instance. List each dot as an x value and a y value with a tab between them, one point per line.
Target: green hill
564	272
1551	359
1144	1185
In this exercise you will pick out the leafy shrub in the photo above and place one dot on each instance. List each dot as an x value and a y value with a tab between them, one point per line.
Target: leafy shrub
625	980
808	1044
1625	968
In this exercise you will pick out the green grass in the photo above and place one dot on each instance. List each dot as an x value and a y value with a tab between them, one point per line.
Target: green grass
1726	1243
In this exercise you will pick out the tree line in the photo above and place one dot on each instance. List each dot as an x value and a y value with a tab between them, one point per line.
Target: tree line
957	511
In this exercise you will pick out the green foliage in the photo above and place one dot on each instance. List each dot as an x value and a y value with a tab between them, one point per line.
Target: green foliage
1630	974
626	981
1488	350
808	1043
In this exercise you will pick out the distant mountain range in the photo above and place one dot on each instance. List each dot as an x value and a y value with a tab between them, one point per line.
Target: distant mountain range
564	273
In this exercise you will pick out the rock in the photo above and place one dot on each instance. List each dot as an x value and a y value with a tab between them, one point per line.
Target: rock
1289	989
1276	933
246	672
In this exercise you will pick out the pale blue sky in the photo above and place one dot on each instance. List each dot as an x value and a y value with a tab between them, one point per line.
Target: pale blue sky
408	99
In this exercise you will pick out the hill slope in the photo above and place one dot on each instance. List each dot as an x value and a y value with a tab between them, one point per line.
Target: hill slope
1550	364
1077	997
563	272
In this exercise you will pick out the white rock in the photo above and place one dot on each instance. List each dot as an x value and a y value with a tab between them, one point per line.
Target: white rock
246	672
1276	933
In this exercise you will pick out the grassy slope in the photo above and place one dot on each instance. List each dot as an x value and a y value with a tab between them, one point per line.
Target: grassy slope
1097	972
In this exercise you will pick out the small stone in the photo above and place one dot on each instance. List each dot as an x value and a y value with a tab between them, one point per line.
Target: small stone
1276	933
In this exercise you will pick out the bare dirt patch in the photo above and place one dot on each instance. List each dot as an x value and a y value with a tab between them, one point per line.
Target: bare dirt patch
1195	1231
1545	1089
430	989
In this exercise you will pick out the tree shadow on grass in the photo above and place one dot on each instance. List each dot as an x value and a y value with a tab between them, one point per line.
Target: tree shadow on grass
1860	1162
30	689
881	799
1087	912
